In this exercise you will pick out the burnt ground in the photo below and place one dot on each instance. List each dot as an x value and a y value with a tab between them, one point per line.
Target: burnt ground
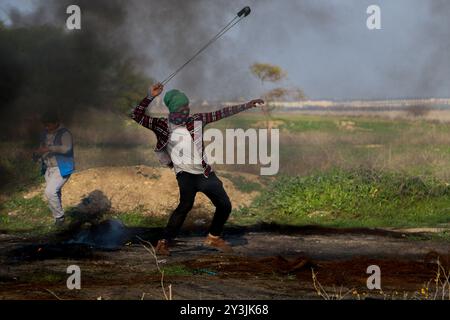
269	262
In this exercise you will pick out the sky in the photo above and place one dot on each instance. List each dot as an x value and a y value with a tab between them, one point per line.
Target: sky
324	46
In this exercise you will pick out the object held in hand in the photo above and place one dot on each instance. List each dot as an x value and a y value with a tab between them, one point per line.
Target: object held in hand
244	12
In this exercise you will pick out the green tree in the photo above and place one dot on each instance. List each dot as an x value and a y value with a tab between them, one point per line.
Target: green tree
268	73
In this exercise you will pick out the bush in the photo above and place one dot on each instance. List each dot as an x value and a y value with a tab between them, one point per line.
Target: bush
357	197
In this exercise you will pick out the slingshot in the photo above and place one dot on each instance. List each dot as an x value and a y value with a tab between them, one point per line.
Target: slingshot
240	15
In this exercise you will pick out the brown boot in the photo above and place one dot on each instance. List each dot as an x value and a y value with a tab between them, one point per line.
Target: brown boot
218	243
162	248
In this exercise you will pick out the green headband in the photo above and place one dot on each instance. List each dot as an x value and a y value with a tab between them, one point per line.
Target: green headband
175	100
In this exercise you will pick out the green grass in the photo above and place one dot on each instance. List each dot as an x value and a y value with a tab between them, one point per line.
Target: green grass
22	215
177	270
357	198
138	219
305	123
441	236
306	192
308	124
172	270
243	184
33	217
383	126
242	121
17	170
44	277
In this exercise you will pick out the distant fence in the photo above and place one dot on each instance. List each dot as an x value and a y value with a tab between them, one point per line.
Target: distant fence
351	104
393	104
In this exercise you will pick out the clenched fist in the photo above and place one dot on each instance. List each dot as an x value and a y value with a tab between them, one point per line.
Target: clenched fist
156	89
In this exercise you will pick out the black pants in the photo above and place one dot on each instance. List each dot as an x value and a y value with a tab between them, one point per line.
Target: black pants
189	185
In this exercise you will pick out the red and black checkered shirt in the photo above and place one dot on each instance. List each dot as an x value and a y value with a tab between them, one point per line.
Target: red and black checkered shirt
160	126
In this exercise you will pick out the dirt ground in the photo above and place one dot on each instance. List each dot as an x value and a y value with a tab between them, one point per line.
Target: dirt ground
124	189
268	263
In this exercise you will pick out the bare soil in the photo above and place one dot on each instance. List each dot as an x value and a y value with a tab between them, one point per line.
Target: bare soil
269	262
153	191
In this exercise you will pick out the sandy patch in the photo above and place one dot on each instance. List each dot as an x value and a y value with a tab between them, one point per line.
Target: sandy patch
151	190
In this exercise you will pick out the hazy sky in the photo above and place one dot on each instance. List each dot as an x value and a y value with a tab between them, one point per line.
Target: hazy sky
326	48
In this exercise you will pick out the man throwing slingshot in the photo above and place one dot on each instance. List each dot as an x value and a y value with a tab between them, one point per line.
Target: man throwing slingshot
176	134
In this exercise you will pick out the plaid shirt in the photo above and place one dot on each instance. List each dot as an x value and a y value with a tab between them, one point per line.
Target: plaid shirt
160	126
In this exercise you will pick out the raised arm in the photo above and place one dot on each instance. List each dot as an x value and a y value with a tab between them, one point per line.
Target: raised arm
209	117
138	113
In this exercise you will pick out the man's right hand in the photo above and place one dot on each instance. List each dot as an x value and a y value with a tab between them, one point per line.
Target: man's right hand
42	150
156	89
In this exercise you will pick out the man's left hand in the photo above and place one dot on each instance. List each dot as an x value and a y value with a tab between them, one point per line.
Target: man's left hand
255	102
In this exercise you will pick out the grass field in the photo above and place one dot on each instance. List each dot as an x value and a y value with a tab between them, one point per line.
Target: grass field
359	198
339	170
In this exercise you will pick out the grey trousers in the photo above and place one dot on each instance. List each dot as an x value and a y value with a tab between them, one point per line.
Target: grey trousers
54	184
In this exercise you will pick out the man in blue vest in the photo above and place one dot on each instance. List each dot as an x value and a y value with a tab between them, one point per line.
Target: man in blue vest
56	151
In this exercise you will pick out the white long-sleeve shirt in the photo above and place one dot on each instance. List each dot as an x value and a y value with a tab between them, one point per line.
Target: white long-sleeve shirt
178	147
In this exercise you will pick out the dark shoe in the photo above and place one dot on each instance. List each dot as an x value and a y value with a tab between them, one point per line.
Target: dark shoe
59	222
218	243
162	248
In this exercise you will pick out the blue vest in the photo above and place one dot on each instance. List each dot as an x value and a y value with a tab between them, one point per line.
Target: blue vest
66	163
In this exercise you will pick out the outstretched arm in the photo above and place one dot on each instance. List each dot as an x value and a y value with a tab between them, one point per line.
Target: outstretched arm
138	113
209	117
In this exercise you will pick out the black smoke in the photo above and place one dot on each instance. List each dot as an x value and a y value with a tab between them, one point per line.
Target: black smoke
45	67
122	45
108	63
